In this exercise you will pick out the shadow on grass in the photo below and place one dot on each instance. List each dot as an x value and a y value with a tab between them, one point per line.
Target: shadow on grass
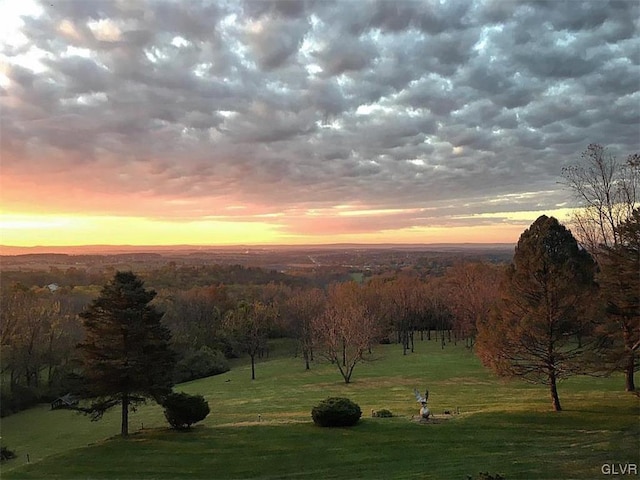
516	444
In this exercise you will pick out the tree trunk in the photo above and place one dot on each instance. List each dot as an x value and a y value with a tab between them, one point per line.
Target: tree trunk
630	385
344	354
344	371
124	430
305	353
253	367
347	375
50	375
555	400
50	360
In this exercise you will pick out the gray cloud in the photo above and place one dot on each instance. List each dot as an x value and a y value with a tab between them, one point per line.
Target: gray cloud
304	104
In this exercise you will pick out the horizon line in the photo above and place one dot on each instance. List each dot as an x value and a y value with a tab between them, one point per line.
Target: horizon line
94	247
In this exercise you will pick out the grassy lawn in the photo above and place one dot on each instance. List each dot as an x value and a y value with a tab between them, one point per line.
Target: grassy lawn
262	429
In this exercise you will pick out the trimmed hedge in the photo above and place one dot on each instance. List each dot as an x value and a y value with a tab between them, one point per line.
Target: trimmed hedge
336	412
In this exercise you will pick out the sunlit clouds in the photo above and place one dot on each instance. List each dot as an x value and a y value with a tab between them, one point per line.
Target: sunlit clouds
304	122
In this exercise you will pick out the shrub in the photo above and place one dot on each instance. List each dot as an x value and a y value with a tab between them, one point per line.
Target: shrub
6	454
384	413
336	412
201	363
486	476
183	410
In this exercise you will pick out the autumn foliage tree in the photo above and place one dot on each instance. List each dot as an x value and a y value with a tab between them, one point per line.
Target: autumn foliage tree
39	330
27	322
406	301
345	330
533	334
126	353
472	294
195	317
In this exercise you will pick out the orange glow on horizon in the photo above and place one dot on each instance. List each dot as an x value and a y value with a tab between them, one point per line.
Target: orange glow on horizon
54	230
30	230
74	230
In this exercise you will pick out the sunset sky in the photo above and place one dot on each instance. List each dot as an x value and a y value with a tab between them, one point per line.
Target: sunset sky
228	122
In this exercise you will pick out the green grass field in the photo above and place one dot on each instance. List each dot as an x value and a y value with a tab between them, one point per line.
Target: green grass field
262	429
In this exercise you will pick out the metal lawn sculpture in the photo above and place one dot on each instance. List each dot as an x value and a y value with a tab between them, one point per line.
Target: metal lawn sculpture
422	399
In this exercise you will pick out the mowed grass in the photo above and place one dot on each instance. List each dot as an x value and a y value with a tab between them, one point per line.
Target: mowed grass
262	428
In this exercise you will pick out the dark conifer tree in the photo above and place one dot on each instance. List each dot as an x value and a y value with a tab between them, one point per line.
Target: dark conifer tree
539	331
126	352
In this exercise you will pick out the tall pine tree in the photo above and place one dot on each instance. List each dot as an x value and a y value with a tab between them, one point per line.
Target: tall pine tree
539	331
126	353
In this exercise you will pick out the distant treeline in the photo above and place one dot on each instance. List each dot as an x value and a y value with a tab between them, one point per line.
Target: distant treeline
167	276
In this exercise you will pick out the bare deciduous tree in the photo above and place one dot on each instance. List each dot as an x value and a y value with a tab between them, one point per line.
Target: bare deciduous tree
619	280
607	191
346	329
301	309
249	324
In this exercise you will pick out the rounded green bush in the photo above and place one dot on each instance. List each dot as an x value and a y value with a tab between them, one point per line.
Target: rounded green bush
336	412
183	410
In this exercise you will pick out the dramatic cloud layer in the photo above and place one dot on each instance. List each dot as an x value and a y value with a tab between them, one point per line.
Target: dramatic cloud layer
316	117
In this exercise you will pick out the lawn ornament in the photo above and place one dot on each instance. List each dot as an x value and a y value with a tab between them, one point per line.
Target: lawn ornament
422	399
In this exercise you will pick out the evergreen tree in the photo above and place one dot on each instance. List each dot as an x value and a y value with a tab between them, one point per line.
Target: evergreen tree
538	330
126	353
